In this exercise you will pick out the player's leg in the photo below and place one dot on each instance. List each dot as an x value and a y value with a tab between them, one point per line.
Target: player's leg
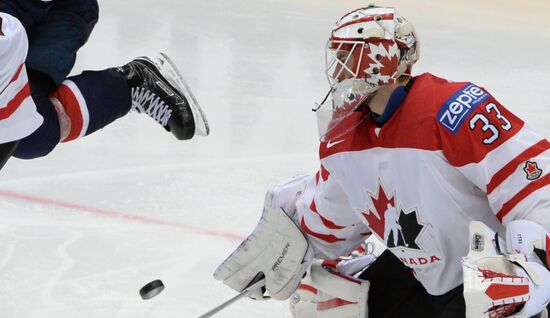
46	137
87	102
151	87
55	39
28	12
56	30
81	105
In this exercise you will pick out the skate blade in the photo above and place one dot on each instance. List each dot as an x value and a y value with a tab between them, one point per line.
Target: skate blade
169	70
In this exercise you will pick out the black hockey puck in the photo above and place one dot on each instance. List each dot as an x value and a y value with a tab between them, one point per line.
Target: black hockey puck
151	289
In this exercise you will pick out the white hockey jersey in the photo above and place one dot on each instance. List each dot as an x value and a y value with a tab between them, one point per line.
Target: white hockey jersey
449	154
18	115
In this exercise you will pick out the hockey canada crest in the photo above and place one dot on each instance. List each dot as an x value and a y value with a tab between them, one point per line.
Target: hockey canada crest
532	170
398	227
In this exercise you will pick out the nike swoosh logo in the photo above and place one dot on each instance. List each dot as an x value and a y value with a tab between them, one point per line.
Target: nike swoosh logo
331	144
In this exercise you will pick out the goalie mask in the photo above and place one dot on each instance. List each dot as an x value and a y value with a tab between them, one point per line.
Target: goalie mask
368	48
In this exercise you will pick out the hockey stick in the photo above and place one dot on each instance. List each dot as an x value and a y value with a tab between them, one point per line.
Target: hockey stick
242	294
403	238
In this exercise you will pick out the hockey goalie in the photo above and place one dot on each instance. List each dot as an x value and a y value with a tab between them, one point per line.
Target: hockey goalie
429	169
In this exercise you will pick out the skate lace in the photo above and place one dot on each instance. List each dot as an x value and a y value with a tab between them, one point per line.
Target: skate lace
145	101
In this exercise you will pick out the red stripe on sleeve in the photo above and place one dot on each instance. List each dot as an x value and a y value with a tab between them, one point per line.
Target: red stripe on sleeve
530	188
69	101
509	168
348	278
330	263
333	303
329	238
14	104
313	206
326	222
16	75
309	288
324	173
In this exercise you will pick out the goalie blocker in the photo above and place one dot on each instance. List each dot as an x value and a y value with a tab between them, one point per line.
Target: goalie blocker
513	282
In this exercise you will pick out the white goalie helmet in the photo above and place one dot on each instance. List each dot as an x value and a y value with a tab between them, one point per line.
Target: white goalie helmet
368	48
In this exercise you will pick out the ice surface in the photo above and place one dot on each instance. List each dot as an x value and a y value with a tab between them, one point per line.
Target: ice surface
84	228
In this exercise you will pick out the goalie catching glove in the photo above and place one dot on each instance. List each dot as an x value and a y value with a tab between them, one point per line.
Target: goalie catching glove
506	285
277	250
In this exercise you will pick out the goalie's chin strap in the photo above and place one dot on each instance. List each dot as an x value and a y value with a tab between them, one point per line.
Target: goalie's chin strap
318	106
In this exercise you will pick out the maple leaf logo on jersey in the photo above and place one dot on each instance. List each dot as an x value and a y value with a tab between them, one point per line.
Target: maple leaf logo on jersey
377	218
396	227
532	170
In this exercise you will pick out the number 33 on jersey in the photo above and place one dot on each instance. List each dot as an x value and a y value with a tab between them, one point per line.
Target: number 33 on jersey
480	134
474	105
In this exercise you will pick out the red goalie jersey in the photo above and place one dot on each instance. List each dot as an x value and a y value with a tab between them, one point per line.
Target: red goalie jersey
449	154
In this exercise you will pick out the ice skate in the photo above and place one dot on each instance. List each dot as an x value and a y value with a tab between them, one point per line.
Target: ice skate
159	91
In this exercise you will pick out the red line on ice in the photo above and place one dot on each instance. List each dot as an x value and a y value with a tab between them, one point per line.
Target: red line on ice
117	215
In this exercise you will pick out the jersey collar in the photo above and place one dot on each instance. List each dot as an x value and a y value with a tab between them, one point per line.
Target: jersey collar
396	99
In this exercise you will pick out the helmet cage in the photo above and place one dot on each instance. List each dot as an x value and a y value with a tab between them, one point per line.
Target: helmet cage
341	60
368	48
